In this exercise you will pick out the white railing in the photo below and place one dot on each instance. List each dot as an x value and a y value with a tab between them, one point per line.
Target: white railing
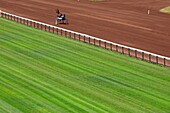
144	55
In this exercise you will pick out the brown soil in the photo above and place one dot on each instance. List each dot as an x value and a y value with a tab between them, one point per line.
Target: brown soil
121	21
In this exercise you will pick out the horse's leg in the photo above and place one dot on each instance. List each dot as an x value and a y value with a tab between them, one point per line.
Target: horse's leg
56	21
66	21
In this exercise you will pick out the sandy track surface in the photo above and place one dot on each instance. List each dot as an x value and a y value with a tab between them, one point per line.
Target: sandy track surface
125	22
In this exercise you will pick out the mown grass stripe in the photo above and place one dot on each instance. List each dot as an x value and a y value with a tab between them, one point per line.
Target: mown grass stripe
156	80
32	80
5	107
19	89
71	76
13	56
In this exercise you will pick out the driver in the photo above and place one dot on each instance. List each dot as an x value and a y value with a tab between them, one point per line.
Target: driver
58	17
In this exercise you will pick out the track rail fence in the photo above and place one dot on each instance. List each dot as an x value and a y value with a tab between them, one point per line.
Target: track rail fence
130	51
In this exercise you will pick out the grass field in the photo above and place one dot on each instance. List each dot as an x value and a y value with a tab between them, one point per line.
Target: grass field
166	10
43	72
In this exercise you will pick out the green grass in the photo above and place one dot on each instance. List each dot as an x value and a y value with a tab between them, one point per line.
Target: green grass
43	72
166	10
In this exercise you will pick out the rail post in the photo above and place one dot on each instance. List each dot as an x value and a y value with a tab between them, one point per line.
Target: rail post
149	57
128	51
156	59
53	29
84	39
17	19
14	18
79	37
31	23
57	31
116	48
89	40
34	24
74	36
105	45
10	16
136	55
37	25
45	27
6	16
27	22
122	50
99	43
142	55
94	42
164	62
65	34
111	47
69	34
41	26
49	29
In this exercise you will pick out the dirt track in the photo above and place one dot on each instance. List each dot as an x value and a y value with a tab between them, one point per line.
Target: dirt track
125	22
